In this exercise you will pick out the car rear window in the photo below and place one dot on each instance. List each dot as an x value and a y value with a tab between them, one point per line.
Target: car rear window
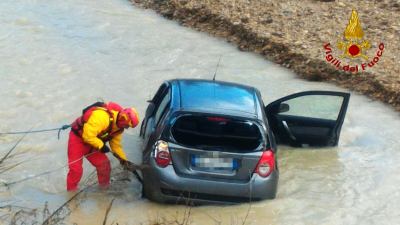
217	133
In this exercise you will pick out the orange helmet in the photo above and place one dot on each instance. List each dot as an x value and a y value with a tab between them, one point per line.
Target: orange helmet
128	118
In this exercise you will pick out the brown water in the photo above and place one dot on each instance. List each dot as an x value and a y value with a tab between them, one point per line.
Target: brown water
59	56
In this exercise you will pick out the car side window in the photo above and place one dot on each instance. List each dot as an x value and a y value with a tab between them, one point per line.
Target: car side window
163	105
159	94
316	106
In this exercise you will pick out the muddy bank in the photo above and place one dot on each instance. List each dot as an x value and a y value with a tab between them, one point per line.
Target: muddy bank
293	34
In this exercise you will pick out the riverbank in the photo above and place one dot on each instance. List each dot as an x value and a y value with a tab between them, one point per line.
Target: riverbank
294	33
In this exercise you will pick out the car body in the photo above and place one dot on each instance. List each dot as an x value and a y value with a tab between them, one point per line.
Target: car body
215	142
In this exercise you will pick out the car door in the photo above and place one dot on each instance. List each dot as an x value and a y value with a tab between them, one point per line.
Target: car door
311	118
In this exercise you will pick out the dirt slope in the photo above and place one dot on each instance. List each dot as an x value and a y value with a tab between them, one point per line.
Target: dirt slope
293	33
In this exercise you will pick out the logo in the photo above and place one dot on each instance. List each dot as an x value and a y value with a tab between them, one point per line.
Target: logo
354	49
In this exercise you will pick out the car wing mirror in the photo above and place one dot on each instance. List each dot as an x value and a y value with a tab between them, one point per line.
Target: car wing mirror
150	109
283	107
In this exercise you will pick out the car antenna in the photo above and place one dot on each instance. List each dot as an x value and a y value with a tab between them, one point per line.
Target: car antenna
216	68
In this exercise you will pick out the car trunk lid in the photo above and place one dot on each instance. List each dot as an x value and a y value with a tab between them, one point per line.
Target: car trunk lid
215	147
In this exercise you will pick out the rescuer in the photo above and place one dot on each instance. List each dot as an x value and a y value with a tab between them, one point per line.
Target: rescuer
99	123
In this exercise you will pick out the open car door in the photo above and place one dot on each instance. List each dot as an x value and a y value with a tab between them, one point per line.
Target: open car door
311	118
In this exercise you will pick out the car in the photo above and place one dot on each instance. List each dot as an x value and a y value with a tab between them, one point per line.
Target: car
207	141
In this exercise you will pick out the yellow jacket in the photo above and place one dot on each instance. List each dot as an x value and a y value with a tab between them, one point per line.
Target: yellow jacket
98	122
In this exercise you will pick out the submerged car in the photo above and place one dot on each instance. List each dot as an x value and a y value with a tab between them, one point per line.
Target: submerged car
211	141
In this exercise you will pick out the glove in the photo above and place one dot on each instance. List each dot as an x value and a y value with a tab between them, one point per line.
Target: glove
123	163
105	149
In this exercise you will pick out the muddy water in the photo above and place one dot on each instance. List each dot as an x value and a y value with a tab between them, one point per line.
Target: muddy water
58	56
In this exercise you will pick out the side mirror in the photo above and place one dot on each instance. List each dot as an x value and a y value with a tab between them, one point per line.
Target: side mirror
283	107
150	109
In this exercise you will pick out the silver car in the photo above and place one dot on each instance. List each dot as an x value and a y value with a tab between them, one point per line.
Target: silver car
214	142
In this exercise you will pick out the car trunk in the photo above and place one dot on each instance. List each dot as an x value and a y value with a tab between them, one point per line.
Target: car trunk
215	147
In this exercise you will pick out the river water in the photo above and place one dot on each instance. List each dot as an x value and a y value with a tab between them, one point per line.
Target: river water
58	56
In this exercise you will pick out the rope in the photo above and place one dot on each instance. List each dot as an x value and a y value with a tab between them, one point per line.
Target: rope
64	127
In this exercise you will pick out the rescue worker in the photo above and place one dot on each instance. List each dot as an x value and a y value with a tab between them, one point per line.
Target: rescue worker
100	123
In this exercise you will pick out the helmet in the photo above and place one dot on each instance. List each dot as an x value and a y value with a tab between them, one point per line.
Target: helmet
127	117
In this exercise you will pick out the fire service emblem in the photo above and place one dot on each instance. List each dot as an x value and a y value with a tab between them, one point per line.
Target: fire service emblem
353	47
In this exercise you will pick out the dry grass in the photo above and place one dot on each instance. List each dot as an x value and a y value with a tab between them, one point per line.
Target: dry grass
185	218
107	212
13	214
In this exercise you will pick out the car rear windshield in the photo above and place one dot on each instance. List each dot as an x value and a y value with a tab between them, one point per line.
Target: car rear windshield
217	133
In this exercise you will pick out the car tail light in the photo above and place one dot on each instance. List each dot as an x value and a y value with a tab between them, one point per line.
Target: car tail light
162	155
217	119
266	164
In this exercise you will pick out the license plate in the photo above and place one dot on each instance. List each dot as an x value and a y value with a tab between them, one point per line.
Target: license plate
208	162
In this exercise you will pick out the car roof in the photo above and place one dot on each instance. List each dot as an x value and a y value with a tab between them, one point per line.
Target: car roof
216	97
